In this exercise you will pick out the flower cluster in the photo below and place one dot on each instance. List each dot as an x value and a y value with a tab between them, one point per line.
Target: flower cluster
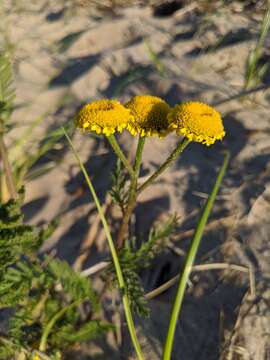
150	115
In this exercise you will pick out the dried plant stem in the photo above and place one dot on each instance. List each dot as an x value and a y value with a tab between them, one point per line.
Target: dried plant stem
95	268
7	169
203	267
174	155
132	194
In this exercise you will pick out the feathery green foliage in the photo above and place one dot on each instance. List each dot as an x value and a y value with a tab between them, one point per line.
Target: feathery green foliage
88	331
133	259
75	285
36	289
118	192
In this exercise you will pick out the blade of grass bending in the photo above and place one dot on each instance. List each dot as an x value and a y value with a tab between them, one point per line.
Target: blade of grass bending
117	266
192	252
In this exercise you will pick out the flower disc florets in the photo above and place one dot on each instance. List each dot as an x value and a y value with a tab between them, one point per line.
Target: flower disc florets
103	117
149	116
197	121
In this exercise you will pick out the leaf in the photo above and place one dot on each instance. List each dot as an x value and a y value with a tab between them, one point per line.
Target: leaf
132	260
74	284
89	331
118	192
7	93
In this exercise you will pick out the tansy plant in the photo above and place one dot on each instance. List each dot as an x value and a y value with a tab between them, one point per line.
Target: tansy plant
145	116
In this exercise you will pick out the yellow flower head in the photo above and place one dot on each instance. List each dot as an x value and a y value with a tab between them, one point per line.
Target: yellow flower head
149	115
197	121
36	357
103	117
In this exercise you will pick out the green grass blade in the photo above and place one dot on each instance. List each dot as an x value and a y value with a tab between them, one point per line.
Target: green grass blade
116	262
264	28
155	59
252	75
190	260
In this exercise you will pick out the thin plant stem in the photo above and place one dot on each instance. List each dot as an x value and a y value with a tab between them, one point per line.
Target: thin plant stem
174	155
204	267
51	323
116	148
132	194
190	260
7	169
116	262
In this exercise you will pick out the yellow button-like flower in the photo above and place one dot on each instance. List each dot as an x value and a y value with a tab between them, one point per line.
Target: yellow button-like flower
36	357
103	117
197	121
149	115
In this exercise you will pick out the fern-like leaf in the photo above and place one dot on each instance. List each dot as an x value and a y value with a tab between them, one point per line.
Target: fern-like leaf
89	331
74	284
132	260
118	192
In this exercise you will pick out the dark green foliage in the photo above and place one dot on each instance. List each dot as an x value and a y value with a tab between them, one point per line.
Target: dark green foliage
7	349
118	192
75	285
88	331
17	238
37	289
133	259
135	291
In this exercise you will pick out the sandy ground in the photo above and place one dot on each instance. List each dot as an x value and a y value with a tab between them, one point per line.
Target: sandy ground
63	59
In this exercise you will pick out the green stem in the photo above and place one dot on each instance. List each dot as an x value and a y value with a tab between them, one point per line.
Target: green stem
174	155
51	323
116	262
120	154
132	194
190	260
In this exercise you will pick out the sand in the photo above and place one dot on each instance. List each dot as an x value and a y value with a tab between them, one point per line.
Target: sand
63	59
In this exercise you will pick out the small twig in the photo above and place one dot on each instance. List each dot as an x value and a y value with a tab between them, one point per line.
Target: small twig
175	249
210	226
203	267
186	9
205	196
95	268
